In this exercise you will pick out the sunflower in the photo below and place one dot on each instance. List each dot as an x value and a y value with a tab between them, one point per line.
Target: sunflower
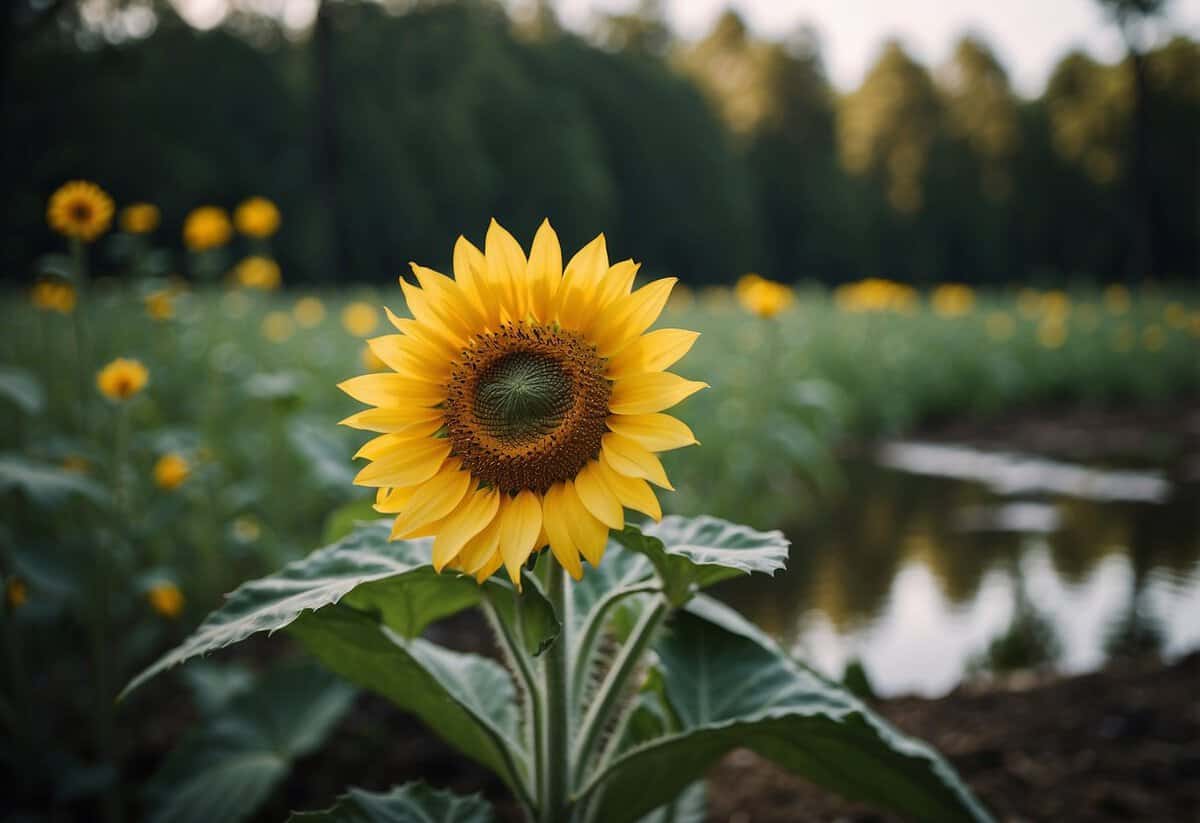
139	218
166	599
256	217
54	295
122	379
523	406
171	471
258	272
763	297
206	228
81	210
160	305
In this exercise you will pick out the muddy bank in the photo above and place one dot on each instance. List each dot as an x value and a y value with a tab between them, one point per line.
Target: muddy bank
1118	745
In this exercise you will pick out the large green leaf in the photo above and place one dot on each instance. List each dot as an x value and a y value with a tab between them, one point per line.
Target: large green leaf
22	389
730	686
392	580
47	484
470	701
227	768
410	803
691	553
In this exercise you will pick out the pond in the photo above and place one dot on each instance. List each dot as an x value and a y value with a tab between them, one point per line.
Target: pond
942	562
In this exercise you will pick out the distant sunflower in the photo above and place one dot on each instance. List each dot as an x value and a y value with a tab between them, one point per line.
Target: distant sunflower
206	227
523	406
256	217
81	210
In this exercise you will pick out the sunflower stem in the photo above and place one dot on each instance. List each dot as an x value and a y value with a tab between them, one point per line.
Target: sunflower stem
554	743
614	684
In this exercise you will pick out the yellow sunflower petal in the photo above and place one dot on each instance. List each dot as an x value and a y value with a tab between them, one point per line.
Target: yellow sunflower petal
470	272
489	567
480	549
393	420
588	534
393	390
653	432
597	496
544	271
385	445
472	516
433	499
653	351
631	491
422	344
628	458
396	353
651	392
449	300
408	468
617	282
626	319
574	303
554	521
432	321
392	501
520	524
506	270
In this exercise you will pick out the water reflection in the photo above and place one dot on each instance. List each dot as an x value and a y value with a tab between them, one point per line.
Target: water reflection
925	577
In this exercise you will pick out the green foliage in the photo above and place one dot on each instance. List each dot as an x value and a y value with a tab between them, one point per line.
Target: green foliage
22	389
469	700
693	553
410	803
226	768
730	686
46	484
364	570
718	682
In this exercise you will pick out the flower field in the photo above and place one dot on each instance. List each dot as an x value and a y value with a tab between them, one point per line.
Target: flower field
168	441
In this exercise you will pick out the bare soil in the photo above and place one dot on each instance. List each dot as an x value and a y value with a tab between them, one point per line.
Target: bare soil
1118	745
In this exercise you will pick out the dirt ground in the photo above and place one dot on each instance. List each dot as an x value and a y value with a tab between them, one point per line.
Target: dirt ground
1118	745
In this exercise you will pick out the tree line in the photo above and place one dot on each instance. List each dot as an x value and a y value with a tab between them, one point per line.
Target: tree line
382	135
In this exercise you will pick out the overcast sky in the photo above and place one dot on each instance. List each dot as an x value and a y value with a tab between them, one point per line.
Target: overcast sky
1028	35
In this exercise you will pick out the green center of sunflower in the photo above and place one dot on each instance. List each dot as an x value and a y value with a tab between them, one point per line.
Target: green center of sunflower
521	397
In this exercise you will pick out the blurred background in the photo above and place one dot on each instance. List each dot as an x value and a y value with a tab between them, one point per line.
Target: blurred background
944	256
817	140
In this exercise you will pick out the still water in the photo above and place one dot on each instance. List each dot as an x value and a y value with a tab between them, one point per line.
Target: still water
944	563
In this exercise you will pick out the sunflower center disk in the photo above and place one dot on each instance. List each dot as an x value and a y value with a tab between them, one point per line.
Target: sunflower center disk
527	407
521	397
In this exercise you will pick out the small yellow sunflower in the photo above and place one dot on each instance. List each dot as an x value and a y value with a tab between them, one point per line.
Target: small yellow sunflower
139	218
54	295
160	305
256	217
122	379
952	300
171	471
524	405
206	228
359	318
309	312
81	210
763	297
166	599
257	272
